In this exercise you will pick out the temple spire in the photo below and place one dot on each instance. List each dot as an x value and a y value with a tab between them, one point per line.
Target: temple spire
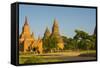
55	28
47	32
26	22
26	29
55	22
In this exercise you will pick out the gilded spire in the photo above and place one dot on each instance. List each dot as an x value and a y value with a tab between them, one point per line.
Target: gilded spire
55	28
26	22
26	29
55	22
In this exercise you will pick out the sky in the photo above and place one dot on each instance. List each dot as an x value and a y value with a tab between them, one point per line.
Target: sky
69	19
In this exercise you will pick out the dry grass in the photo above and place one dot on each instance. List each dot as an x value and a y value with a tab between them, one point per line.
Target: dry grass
52	57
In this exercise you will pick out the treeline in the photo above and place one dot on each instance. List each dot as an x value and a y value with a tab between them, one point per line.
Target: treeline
81	41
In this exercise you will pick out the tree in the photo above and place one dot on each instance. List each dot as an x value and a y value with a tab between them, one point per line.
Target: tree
69	43
84	40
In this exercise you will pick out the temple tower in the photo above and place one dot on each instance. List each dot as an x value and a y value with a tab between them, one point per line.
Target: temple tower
55	28
26	38
56	35
46	34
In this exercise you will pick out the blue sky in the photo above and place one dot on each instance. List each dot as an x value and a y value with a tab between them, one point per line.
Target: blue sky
69	19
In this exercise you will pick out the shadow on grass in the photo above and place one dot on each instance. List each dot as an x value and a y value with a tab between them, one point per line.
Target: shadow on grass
88	55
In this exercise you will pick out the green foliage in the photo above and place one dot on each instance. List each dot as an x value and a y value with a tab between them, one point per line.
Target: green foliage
69	43
49	43
81	41
85	41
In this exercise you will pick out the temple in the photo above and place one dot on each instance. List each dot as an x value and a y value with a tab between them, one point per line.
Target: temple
56	35
27	42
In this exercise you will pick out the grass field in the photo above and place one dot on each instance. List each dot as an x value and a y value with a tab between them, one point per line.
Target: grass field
57	57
